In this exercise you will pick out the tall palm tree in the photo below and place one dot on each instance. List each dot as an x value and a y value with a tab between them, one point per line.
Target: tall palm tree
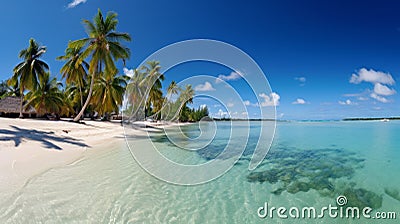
108	93
74	69
153	79
30	70
47	97
172	89
136	91
103	46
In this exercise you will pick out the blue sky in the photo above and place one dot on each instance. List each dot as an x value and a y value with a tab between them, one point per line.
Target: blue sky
325	60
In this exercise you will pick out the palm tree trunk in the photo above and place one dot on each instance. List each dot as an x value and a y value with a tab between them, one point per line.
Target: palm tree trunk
78	117
80	92
178	112
21	106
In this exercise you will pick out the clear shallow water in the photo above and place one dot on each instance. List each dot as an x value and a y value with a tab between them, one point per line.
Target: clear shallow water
310	164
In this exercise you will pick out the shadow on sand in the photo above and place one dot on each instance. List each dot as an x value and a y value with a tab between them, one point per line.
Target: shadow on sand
18	134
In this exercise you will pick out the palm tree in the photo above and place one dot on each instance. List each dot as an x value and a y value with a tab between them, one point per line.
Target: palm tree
73	94
185	97
30	70
70	97
103	46
74	69
136	91
47	97
108	93
3	88
10	90
154	79
172	89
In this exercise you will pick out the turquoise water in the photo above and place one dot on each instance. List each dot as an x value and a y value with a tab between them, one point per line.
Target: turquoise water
309	164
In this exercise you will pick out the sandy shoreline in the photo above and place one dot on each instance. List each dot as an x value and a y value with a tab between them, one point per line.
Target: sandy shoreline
29	147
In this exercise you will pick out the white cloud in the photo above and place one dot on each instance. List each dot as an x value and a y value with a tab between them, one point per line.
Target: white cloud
361	98
381	80
204	87
270	100
299	101
383	90
203	106
245	113
352	94
74	3
129	72
230	105
379	98
347	102
222	113
232	76
372	76
302	80
248	103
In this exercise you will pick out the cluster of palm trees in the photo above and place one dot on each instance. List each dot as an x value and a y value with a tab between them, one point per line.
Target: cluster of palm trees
92	81
102	48
146	99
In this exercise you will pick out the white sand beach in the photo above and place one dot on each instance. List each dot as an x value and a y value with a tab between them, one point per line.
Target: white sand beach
29	147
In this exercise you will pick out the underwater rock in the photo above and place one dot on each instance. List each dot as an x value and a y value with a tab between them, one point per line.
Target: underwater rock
270	176
302	170
297	187
394	193
361	198
278	191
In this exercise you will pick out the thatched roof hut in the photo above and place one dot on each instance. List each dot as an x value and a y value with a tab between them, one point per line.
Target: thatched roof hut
10	105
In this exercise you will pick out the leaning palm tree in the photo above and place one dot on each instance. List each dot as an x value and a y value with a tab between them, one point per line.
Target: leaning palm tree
47	97
74	70
30	70
108	93
103	46
185	97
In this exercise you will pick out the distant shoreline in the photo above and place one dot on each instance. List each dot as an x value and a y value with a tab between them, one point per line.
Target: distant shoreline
371	118
311	120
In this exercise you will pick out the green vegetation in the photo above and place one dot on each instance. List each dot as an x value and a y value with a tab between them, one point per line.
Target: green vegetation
103	46
371	118
27	73
193	115
155	105
92	82
47	96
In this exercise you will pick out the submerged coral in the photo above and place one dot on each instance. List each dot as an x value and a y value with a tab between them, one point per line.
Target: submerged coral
294	170
361	198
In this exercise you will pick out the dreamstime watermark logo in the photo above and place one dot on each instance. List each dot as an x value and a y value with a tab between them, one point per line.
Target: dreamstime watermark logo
243	67
331	211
